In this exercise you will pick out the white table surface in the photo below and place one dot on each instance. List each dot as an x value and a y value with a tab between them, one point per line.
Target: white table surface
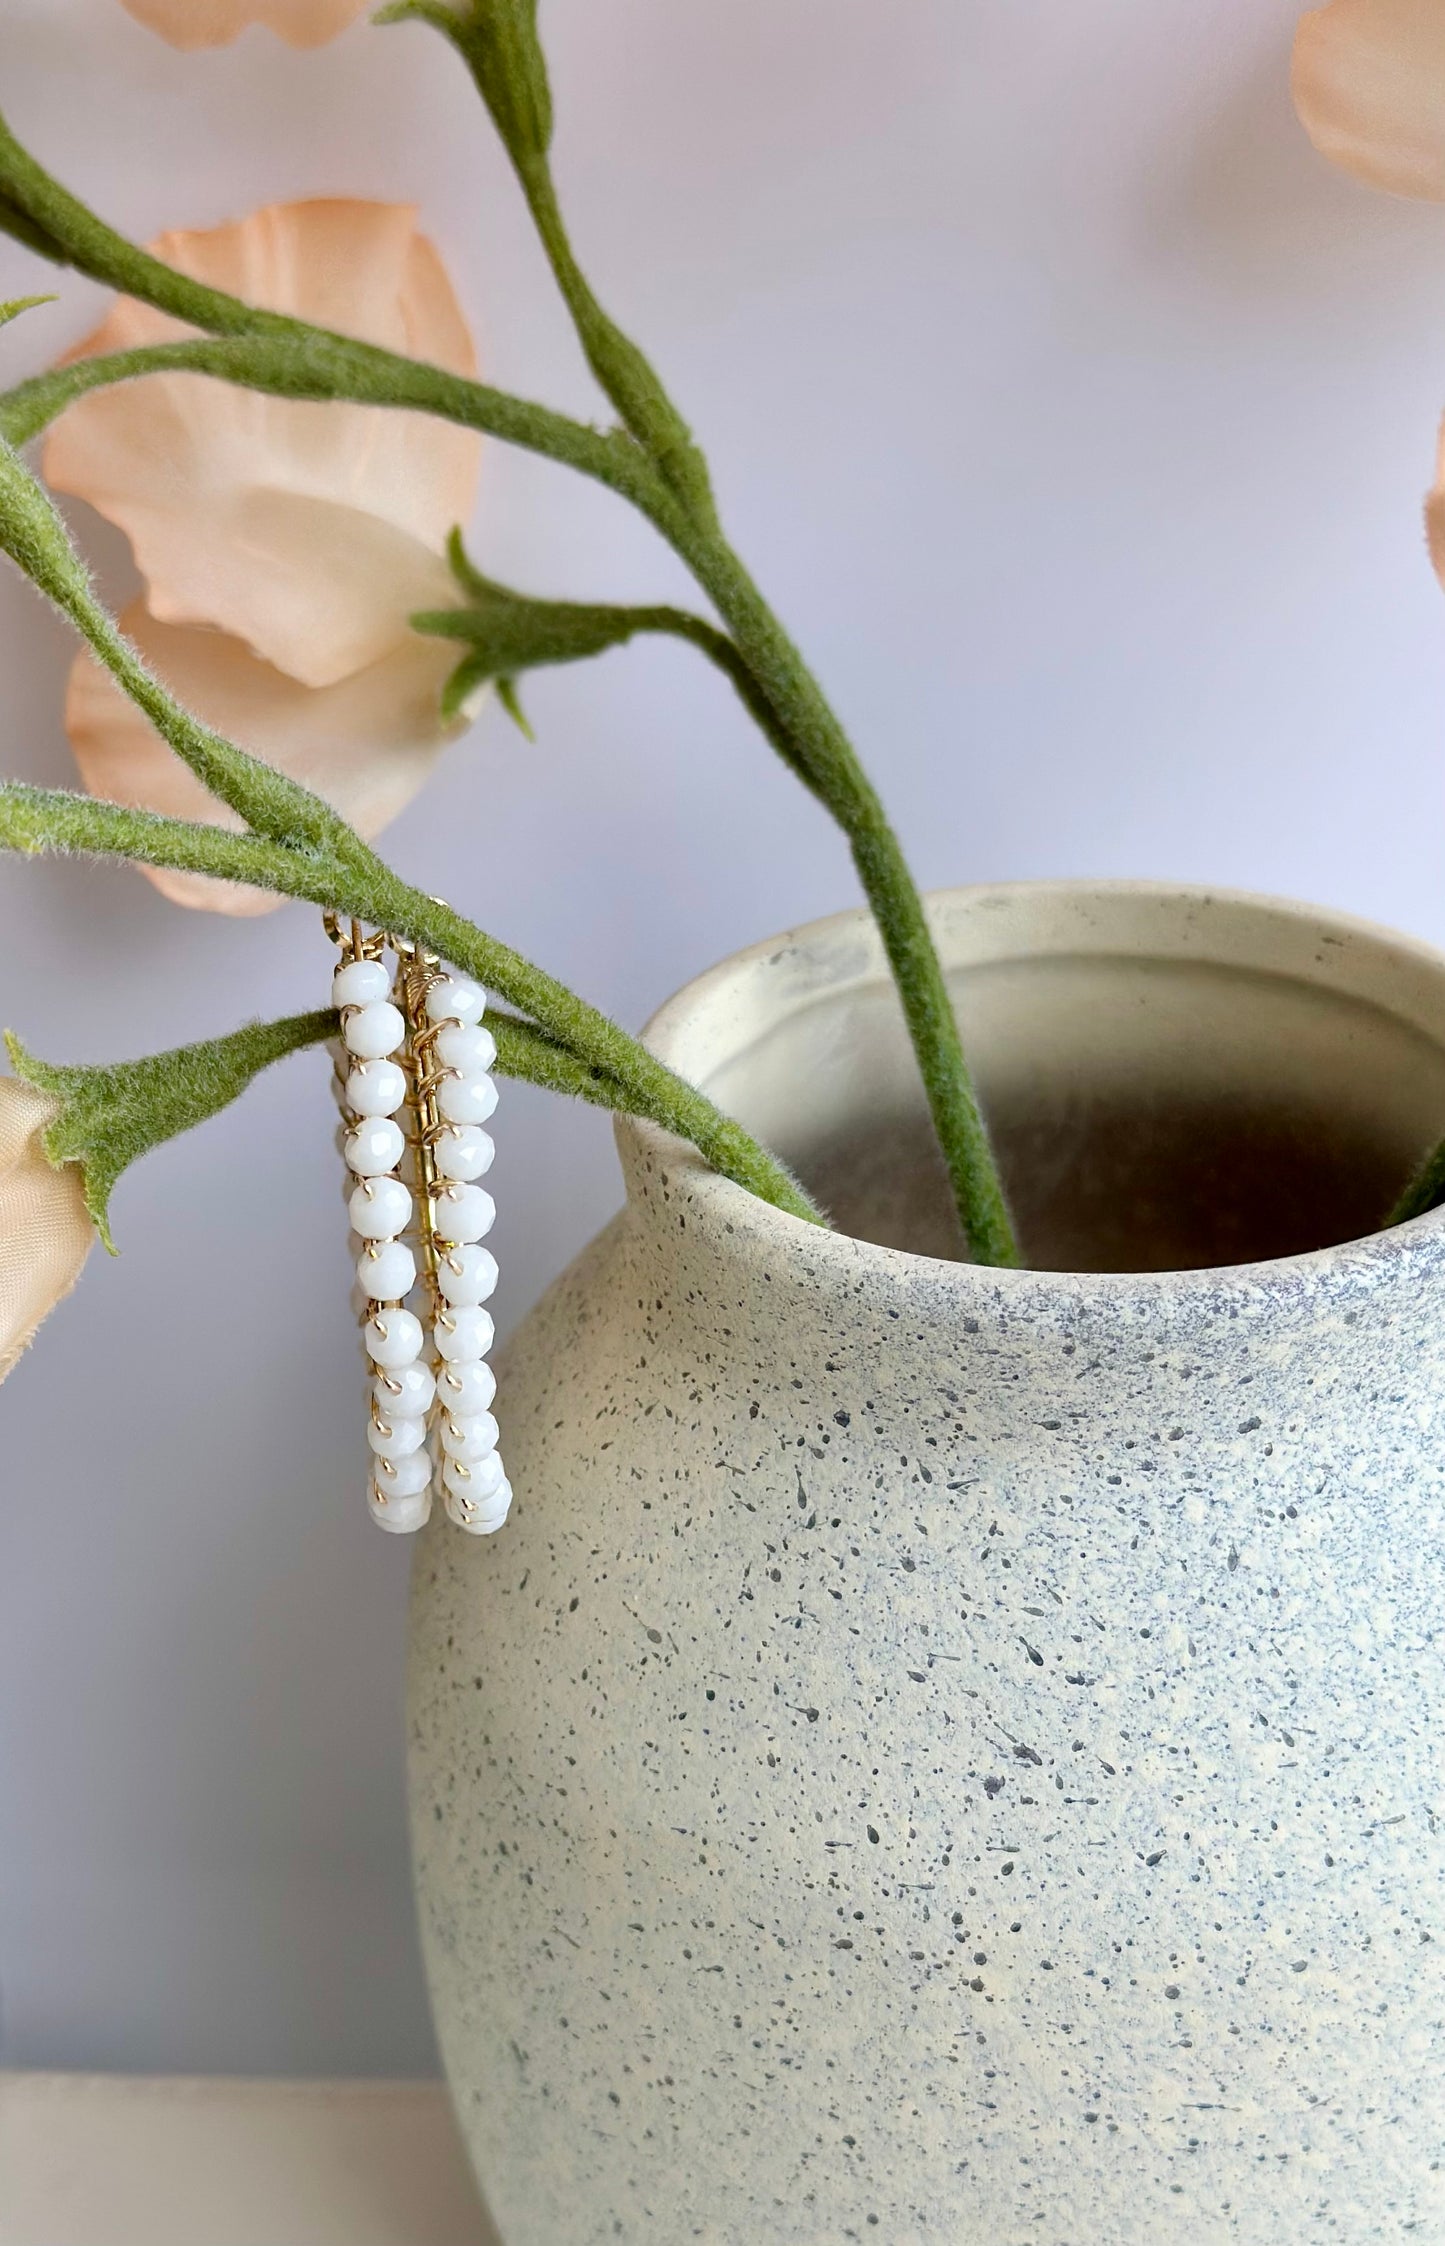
131	2160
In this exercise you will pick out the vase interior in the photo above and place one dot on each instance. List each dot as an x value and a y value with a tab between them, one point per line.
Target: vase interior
1149	1113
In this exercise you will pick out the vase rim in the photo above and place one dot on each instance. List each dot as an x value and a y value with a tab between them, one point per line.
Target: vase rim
1340	952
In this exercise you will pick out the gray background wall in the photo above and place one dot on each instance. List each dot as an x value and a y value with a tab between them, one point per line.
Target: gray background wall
1077	418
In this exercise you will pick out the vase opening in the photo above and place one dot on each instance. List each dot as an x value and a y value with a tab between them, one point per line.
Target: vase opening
1153	1107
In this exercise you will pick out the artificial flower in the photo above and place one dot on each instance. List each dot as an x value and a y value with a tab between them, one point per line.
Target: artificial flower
1369	84
215	23
45	1233
284	546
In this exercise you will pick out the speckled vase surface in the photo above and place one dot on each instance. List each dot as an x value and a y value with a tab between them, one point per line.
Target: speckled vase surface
945	1755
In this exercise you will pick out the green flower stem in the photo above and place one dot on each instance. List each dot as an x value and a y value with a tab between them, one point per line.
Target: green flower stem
649	1088
499	43
109	1116
35	538
270	351
588	1054
838	777
44	822
287	357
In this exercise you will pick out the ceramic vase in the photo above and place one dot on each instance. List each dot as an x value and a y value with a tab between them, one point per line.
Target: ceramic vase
943	1754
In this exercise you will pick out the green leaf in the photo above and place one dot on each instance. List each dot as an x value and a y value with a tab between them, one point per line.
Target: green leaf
110	1116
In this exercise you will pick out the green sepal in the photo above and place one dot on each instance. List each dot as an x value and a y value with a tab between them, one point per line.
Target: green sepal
112	1115
507	633
13	306
472	674
511	702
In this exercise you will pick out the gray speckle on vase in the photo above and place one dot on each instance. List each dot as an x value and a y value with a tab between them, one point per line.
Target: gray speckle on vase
941	1754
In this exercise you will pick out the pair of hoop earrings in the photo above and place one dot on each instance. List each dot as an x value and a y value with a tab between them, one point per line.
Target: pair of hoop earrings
414	1084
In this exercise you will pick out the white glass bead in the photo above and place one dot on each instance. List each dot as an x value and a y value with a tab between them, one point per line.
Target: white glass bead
387	1270
480	1480
359	983
462	1212
455	999
402	1477
373	1031
463	1335
395	1438
394	1337
470	1439
465	1389
483	1519
375	1088
466	1099
463	1153
374	1147
467	1046
403	1516
381	1208
466	1275
407	1392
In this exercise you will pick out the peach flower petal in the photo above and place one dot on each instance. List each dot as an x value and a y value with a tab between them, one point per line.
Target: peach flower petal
45	1231
1435	512
215	23
310	531
1369	84
367	744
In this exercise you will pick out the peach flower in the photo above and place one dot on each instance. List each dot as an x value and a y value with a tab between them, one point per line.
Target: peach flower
283	545
45	1233
215	23
1369	84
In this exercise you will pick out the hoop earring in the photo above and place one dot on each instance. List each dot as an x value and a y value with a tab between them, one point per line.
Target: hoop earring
414	1085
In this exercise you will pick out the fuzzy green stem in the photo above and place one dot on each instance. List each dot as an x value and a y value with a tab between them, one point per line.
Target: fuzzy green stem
37	541
287	357
837	776
498	41
109	1116
619	1069
649	1088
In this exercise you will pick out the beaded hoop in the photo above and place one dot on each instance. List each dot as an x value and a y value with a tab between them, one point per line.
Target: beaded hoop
414	1084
